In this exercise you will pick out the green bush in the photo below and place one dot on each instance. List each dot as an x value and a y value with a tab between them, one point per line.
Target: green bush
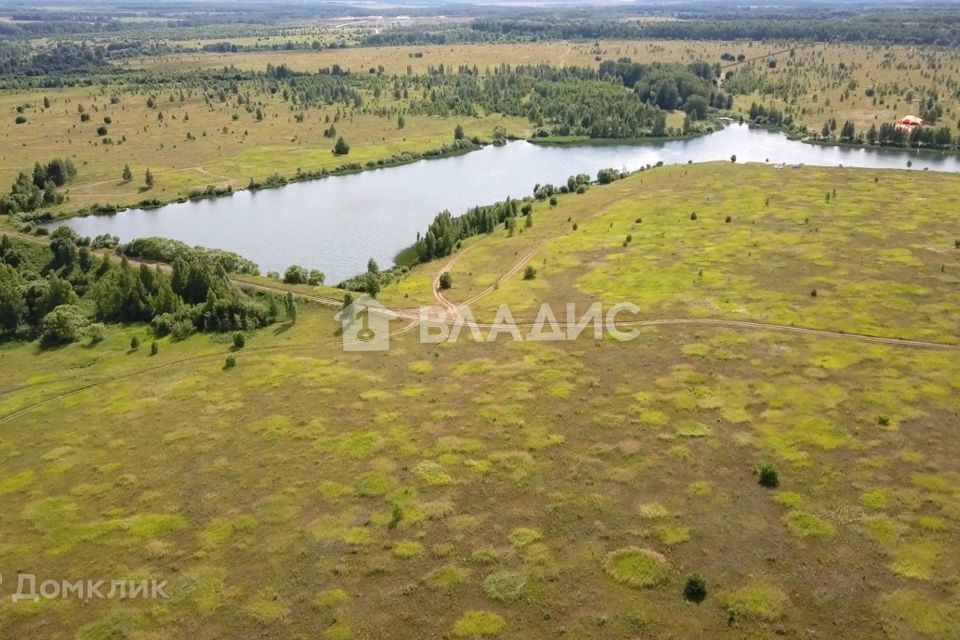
182	329
230	363
295	274
341	148
134	343
62	325
529	273
167	250
446	280
696	588
96	331
768	477
154	348
239	340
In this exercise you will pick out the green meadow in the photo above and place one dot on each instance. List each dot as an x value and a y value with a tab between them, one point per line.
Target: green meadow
533	489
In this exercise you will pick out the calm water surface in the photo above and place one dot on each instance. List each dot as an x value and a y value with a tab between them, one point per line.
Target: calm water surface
335	224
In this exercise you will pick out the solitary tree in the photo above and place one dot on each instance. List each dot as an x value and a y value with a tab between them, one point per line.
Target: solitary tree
316	278
372	284
401	122
458	133
148	179
341	148
127	173
291	307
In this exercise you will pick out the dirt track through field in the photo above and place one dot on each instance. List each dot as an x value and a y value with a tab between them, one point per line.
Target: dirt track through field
453	311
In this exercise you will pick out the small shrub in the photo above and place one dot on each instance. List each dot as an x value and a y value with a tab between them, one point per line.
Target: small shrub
504	585
529	273
476	624
553	201
693	215
728	220
96	331
182	329
883	421
239	340
813	293
768	477
20	120
956	244
230	363
696	588
446	280
636	567
154	348
134	343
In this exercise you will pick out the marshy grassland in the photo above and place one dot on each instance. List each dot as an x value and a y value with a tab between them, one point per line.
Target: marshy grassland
530	490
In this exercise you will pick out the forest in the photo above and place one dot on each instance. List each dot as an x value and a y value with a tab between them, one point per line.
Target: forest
65	291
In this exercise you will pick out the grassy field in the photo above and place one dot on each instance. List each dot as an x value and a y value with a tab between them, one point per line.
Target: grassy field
762	241
420	57
198	144
527	490
815	82
866	84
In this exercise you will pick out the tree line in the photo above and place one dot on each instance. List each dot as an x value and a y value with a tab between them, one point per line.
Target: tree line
446	232
38	190
621	99
56	293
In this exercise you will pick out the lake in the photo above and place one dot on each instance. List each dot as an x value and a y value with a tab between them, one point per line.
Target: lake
335	224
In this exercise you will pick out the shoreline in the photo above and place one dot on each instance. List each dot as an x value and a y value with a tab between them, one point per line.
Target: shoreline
409	157
400	159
